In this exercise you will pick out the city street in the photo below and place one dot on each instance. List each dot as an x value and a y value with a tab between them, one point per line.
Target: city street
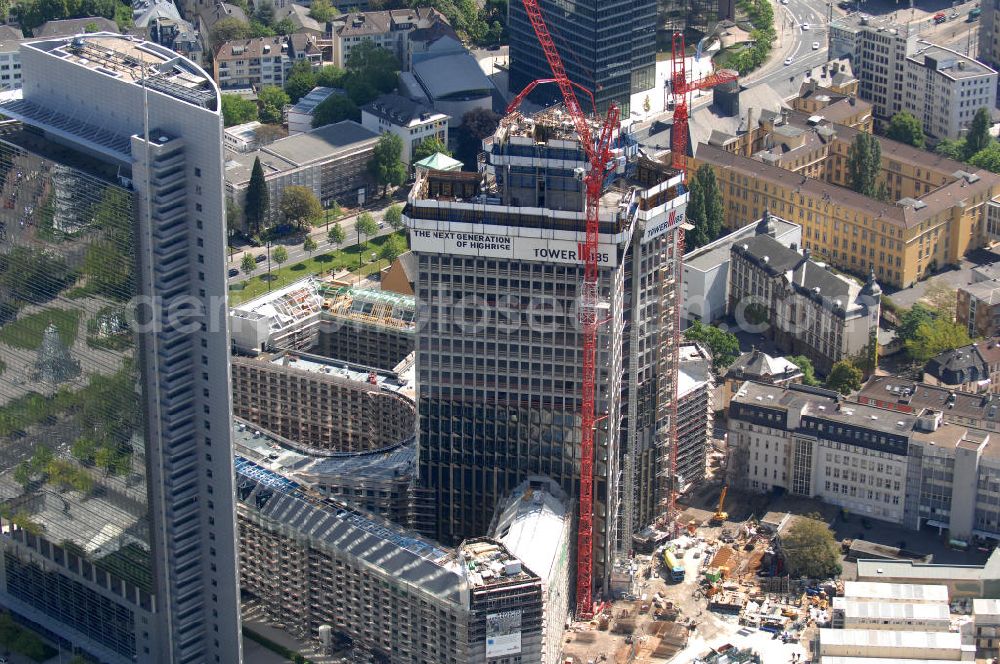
795	43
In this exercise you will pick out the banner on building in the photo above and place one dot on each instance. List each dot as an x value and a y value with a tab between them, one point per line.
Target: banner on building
658	227
503	633
507	246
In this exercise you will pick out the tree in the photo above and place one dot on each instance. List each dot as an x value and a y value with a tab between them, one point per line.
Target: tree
377	66
322	10
864	162
810	549
806	366
724	346
978	137
696	237
935	337
359	89
951	149
234	216
427	147
284	26
335	108
300	80
906	128
272	100
248	264
309	245
392	248
23	473
385	165
394	217
366	226
279	255
988	158
299	206
477	124
265	12
237	110
229	28
912	318
330	76
337	235
258	200
844	377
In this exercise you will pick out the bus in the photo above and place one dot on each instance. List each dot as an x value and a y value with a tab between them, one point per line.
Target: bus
676	569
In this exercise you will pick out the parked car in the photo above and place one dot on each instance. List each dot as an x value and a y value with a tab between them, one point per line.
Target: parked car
261	258
232	273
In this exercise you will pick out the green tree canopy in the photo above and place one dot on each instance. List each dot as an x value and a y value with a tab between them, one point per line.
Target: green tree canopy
705	210
366	225
724	346
988	158
392	248
330	76
864	163
279	254
978	137
951	149
258	200
335	108
844	377
906	128
248	264
394	217
299	206
229	29
336	234
272	100
912	318
376	65
300	80
427	147
309	244
935	337
696	237
385	165
810	549
237	110
806	366
322	10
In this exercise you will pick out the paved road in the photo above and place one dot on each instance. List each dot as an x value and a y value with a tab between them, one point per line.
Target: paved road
295	251
795	43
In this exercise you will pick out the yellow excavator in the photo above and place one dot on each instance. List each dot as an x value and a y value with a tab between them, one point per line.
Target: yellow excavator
719	515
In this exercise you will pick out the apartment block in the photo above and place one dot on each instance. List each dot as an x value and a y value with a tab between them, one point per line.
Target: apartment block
411	121
913	469
113	194
898	71
247	65
316	564
989	33
321	404
986	616
332	161
795	166
386	29
499	364
10	57
800	304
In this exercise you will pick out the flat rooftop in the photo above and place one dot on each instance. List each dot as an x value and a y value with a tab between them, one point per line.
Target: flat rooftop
489	563
986	607
888	638
950	63
340	368
896	592
134	60
892	611
715	253
907	569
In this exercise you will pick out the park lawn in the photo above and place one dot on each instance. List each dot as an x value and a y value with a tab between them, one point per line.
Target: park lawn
319	263
26	332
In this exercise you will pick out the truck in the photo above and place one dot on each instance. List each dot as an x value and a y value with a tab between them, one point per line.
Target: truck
675	568
974	14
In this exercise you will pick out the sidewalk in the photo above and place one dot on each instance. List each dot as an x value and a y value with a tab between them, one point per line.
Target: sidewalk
783	46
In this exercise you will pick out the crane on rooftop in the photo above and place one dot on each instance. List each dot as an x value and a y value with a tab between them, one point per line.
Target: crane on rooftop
599	155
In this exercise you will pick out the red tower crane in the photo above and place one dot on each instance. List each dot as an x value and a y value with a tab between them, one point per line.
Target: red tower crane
681	89
599	156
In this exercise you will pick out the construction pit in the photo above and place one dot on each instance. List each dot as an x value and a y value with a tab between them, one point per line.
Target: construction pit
731	605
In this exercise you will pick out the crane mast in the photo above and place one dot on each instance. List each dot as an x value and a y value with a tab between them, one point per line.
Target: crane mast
599	156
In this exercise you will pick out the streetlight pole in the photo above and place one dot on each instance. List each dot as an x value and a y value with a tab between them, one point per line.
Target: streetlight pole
268	266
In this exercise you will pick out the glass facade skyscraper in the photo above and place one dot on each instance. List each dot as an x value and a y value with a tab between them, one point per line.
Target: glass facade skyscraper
116	499
607	46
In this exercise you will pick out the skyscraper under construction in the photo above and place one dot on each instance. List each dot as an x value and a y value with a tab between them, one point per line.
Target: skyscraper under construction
499	365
